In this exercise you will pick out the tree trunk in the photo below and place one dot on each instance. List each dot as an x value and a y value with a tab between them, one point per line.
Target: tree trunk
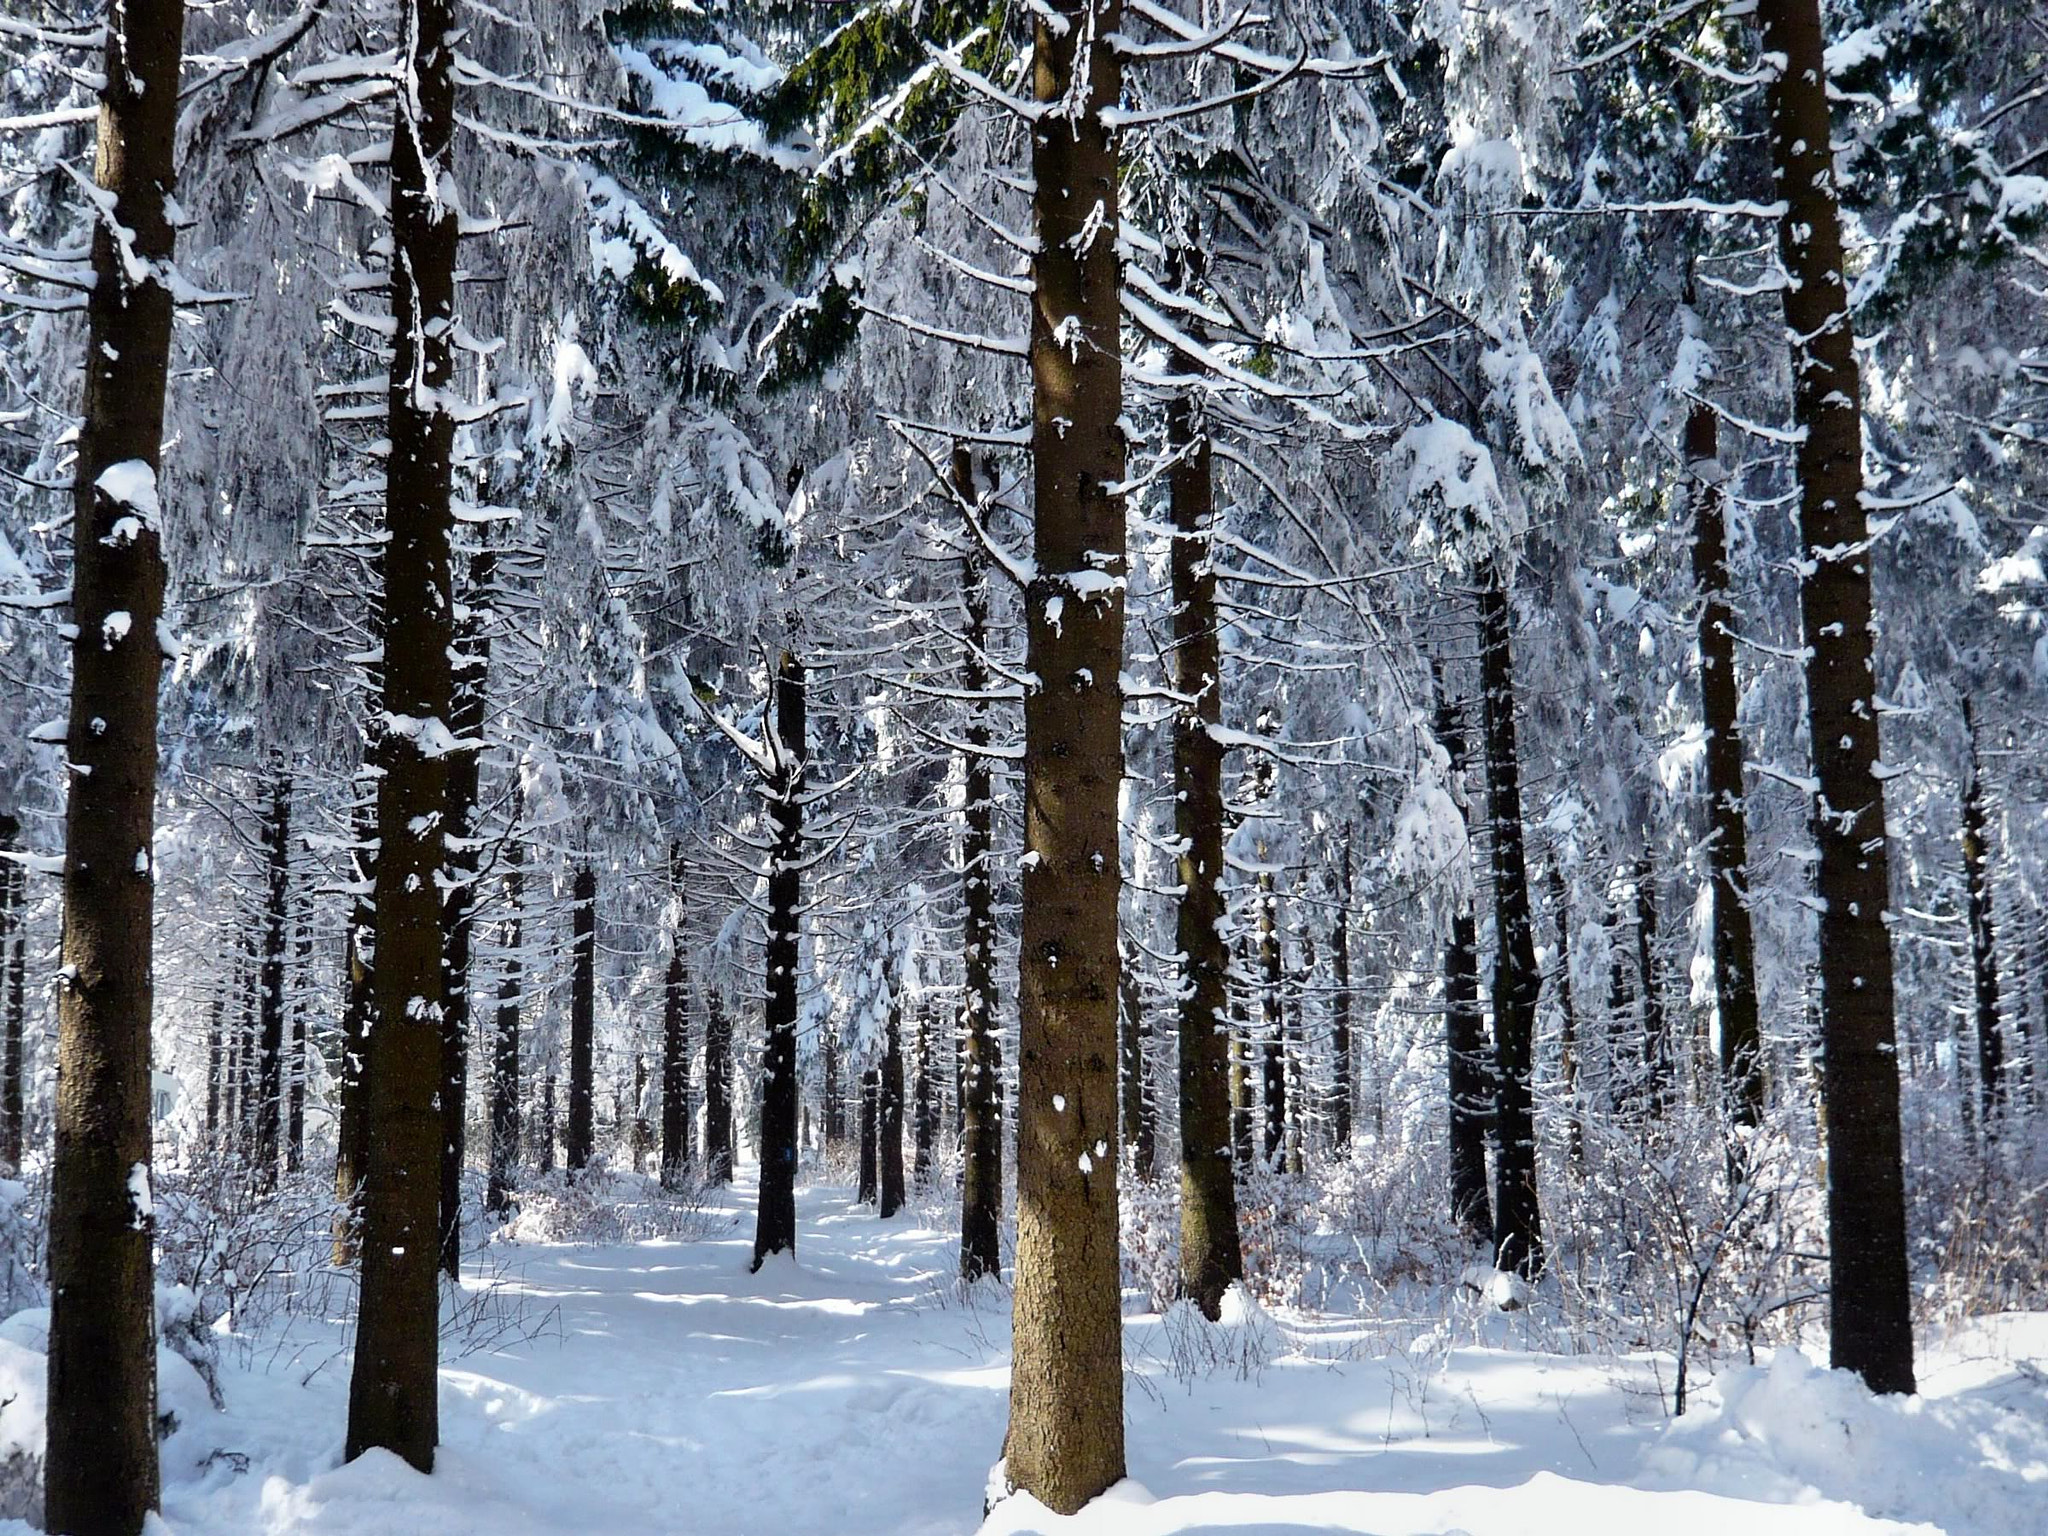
1983	938
1734	944
1211	1258
890	1127
359	1006
505	1046
1518	1221
835	1100
248	1046
547	1122
1273	1046
1242	1149
675	1041
100	1468
1567	1020
298	1056
924	1121
1656	1031
1133	1053
1869	1298
775	1217
582	1133
717	1090
458	936
1066	1436
870	1137
1343	1065
13	923
271	1004
981	1056
216	1067
393	1393
1469	1080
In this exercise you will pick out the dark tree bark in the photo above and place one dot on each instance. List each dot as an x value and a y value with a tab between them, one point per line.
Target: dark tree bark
1869	1299
13	925
248	1042
505	1043
1343	1058
359	1006
835	1098
890	1126
1621	1003
1656	1030
675	1041
924	1120
775	1217
1241	1139
1211	1258
1066	1436
717	1090
547	1122
981	1061
643	1128
582	1134
100	1467
1273	1083
1518	1220
393	1392
458	936
1134	1052
216	1065
869	1192
295	1077
277	835
1734	943
1567	1019
1983	939
1469	1079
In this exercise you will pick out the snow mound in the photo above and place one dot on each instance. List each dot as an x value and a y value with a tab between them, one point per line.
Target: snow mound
1971	1464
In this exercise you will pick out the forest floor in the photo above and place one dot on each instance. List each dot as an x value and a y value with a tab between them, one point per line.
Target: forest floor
659	1387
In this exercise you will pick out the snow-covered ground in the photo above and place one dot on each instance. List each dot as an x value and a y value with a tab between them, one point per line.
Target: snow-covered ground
659	1387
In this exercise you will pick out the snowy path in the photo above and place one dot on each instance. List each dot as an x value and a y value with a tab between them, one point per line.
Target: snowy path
853	1392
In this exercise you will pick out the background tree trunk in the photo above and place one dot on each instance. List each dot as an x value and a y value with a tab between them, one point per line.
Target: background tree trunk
675	1041
775	1218
1518	1220
717	1090
981	1058
277	840
359	1005
1469	1080
1983	939
869	1191
582	1136
890	1126
505	1045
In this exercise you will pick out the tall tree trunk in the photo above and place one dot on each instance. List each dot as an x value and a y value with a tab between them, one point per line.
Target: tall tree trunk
547	1122
1518	1220
1133	1054
1869	1298
393	1392
981	1058
1343	1063
359	1007
1272	1046
1468	1077
298	1056
1621	1002
924	1122
717	1090
1211	1257
1734	943
277	837
835	1102
100	1467
505	1045
775	1217
216	1066
1241	1139
14	911
675	1040
248	1071
1066	1436
1567	1018
582	1134
869	1192
458	936
1656	1030
891	1123
1983	938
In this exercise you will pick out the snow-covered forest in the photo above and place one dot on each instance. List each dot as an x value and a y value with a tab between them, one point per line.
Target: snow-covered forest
1117	766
